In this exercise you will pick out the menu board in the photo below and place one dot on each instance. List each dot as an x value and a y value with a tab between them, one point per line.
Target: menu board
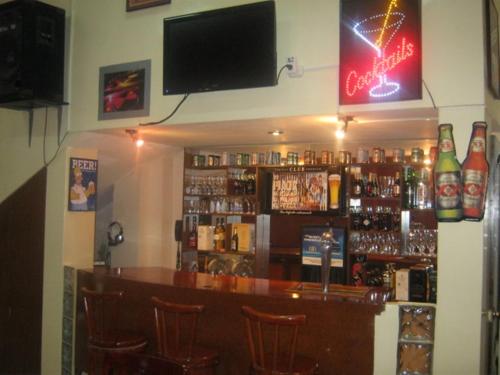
300	191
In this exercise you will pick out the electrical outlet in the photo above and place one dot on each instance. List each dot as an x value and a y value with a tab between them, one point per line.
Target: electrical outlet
296	70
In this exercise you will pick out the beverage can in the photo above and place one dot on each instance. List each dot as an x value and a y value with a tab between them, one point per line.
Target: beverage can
255	158
232	159
344	157
417	155
398	155
325	157
376	156
363	155
262	158
307	157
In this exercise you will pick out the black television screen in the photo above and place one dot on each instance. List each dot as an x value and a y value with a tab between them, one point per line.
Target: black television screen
223	49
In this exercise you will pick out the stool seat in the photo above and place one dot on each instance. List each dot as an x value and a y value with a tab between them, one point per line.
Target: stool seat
115	339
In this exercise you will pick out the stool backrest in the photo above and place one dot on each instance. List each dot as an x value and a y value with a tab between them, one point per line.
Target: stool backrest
255	323
172	337
101	308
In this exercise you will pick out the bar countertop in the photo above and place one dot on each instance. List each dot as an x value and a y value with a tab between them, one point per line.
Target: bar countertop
239	285
339	331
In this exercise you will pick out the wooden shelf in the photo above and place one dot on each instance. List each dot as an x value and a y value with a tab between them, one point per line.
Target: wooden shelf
220	214
217	252
409	259
220	195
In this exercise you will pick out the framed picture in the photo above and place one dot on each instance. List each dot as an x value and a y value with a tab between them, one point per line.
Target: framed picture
299	191
82	184
493	49
141	4
124	90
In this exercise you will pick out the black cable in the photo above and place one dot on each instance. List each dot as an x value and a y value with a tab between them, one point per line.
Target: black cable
169	116
59	143
45	135
432	99
288	66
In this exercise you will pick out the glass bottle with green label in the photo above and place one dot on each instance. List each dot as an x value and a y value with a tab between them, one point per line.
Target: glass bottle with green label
447	178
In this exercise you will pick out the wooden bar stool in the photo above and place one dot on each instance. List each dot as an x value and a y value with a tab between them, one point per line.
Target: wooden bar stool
281	359
176	335
104	341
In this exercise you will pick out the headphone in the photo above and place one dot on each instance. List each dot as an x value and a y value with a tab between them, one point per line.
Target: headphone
115	234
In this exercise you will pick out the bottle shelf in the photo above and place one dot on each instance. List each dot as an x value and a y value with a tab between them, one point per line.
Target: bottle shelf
409	259
218	252
220	196
221	213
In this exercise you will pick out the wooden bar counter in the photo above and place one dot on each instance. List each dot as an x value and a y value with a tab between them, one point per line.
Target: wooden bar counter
339	332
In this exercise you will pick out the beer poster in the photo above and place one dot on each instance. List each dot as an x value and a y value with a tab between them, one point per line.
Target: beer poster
300	191
82	184
311	246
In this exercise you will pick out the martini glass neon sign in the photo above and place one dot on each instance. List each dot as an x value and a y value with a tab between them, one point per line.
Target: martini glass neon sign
378	31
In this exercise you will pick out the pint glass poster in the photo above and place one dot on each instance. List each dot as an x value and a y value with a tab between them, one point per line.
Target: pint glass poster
300	191
311	243
82	184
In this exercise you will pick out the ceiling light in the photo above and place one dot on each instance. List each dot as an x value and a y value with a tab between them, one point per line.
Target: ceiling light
342	130
136	138
275	132
340	133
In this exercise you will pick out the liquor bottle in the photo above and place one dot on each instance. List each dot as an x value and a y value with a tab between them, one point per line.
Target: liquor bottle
447	178
396	187
369	188
234	240
357	186
193	235
216	234
409	187
367	221
222	236
475	174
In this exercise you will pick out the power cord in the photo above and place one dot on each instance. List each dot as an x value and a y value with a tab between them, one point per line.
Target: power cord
169	116
288	66
428	91
59	142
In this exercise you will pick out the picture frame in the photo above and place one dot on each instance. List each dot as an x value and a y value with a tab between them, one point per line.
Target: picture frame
133	5
124	90
493	48
82	184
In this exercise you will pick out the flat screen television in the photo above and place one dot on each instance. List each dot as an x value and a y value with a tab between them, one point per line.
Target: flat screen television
222	49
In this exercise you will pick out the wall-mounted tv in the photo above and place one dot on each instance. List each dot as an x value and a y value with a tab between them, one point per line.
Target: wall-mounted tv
222	49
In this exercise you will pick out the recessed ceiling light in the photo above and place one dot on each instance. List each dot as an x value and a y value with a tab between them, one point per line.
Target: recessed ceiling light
275	132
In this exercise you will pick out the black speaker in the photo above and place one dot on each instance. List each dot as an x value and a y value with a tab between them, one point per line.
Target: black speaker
31	54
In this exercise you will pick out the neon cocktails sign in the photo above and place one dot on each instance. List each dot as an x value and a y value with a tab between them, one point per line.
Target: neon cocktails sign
380	51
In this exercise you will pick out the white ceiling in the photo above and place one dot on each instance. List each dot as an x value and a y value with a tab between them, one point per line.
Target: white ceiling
415	126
